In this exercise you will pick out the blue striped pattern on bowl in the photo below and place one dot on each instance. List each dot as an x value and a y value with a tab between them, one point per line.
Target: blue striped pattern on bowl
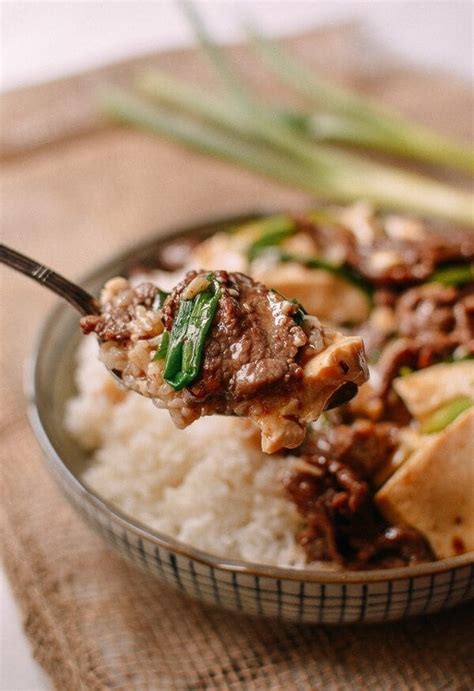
291	599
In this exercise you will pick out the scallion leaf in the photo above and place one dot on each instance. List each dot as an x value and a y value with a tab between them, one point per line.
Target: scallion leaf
300	312
277	229
163	347
159	300
443	417
453	275
188	334
344	271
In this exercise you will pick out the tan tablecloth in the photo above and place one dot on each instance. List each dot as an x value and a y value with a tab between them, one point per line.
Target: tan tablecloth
73	191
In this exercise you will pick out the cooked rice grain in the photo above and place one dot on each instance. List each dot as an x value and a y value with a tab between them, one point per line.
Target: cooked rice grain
209	485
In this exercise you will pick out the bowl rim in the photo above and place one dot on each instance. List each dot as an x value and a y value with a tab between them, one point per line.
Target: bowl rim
307	574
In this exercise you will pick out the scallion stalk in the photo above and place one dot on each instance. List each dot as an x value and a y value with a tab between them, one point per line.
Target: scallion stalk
125	108
347	117
235	85
322	170
355	119
162	349
334	175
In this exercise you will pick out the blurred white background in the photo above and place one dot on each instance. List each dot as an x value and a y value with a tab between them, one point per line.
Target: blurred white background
42	40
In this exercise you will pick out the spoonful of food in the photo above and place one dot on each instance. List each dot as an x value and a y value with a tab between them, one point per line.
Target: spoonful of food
218	343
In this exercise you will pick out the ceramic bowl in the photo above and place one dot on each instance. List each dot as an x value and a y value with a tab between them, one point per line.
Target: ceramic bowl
303	595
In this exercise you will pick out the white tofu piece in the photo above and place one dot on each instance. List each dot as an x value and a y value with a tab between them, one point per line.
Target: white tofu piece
326	296
425	391
285	424
433	491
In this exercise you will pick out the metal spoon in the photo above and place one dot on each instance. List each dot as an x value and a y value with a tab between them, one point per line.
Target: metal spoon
87	304
74	294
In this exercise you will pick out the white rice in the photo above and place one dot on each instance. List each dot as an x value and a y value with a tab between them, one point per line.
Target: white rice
208	485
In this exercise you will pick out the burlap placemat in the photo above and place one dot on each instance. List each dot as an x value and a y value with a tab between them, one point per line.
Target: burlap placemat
73	191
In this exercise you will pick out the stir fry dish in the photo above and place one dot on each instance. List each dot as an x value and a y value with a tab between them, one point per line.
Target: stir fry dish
379	471
221	343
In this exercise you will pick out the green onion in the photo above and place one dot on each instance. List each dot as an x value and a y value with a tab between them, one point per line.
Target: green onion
337	175
442	417
163	347
354	119
344	271
462	358
123	107
265	146
300	313
453	275
323	216
405	371
188	335
278	229
348	117
180	95
235	85
174	355
159	300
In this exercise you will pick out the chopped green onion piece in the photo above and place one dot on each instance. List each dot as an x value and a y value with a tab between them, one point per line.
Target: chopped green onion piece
188	335
344	271
278	229
454	275
347	273
462	358
323	216
300	313
199	325
159	300
174	356
442	417
163	347
405	371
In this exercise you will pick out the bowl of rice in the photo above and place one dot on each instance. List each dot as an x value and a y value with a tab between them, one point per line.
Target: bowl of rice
202	509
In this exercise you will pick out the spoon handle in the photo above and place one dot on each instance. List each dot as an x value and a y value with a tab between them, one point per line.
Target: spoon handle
74	294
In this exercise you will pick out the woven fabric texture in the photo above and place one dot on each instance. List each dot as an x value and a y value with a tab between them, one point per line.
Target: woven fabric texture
73	192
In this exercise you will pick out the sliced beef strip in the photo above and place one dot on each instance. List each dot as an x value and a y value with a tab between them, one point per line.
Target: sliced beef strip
323	490
331	491
433	322
365	446
113	323
253	343
403	262
413	260
392	547
434	312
